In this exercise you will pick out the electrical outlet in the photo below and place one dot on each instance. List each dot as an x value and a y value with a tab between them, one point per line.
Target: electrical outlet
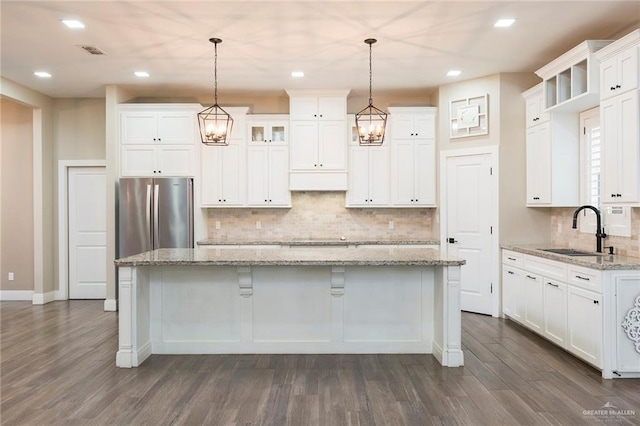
11	276
217	224
258	224
392	225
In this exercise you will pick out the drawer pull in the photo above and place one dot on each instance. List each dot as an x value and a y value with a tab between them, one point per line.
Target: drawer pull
530	277
582	278
552	284
510	272
511	258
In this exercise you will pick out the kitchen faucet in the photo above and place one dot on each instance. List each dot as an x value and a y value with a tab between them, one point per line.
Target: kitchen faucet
600	235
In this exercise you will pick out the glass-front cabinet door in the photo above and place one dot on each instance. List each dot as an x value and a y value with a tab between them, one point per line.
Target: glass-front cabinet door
272	131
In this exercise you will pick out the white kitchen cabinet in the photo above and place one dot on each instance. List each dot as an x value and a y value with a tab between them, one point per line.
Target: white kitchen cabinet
413	163
584	324
533	302
512	293
223	169
268	129
621	149
555	311
318	145
534	106
368	176
157	140
268	176
571	82
619	71
553	162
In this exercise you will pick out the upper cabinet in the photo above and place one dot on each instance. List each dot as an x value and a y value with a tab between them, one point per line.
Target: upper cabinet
268	161
553	160
157	140
318	145
535	109
619	71
223	169
413	165
619	117
571	82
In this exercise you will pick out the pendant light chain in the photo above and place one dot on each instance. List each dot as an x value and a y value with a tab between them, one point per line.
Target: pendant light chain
370	77
215	73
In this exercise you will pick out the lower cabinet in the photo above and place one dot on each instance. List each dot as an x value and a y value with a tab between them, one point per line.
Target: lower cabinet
512	291
563	309
555	312
534	302
584	324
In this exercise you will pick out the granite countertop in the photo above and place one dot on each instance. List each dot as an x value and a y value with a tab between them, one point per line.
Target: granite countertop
597	261
331	256
336	242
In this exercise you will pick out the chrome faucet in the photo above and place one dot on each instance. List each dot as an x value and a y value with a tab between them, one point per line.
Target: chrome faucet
600	235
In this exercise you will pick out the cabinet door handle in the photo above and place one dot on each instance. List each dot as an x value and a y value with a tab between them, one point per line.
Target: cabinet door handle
617	86
595	302
552	284
582	278
612	88
618	195
511	258
510	272
530	277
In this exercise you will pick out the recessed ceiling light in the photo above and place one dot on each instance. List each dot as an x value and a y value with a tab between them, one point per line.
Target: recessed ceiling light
454	73
504	23
297	74
42	74
72	23
141	74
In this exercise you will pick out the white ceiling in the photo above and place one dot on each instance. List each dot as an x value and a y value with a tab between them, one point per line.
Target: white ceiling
263	41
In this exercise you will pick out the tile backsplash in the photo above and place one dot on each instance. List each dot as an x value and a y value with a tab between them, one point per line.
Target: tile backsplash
320	216
564	236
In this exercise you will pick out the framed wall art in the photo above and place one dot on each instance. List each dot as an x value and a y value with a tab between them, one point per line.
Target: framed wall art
469	117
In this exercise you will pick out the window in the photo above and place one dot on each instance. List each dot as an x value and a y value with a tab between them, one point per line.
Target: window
616	220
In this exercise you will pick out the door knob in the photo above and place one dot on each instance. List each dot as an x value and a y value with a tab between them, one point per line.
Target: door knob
452	240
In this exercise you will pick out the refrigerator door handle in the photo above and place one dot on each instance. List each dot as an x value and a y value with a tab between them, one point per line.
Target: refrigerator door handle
156	225
149	216
190	211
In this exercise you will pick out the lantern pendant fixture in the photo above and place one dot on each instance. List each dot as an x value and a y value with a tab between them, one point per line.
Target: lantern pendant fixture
371	121
214	122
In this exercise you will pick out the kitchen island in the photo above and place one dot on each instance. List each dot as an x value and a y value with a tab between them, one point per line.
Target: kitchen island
289	300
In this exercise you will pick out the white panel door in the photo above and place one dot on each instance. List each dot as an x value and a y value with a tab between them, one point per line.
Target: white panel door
279	176
469	211
358	193
332	145
138	160
404	170
258	174
425	185
175	160
304	145
378	176
87	233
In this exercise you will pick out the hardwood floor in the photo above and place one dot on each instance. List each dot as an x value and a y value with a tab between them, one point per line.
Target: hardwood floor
58	367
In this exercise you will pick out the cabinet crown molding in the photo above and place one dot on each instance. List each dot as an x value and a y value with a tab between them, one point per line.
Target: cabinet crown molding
533	91
318	92
412	109
578	53
630	40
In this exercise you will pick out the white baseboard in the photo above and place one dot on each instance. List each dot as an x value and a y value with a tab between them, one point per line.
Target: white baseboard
110	305
43	298
16	295
60	295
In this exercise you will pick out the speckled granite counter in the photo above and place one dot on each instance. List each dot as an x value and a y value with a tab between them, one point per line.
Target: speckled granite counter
601	262
336	242
326	256
289	300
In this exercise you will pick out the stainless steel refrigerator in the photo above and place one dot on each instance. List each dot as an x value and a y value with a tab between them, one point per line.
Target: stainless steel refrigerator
154	213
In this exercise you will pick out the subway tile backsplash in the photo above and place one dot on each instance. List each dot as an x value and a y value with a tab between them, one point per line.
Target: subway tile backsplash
321	216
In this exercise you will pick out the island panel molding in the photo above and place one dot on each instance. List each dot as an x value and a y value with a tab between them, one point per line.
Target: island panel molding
469	116
631	324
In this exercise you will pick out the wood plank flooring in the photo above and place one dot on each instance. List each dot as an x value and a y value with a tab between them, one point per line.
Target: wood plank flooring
58	367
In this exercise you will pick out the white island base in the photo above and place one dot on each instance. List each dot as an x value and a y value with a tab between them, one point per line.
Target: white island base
211	309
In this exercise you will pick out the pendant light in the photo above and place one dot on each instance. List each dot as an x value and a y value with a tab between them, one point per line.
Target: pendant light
215	123
371	121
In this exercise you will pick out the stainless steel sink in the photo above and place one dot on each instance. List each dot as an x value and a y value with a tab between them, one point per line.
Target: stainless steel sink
570	252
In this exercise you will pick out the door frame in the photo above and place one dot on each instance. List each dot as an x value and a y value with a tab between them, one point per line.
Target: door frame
492	151
62	293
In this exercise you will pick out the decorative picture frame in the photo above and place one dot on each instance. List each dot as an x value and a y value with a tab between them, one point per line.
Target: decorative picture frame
469	117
